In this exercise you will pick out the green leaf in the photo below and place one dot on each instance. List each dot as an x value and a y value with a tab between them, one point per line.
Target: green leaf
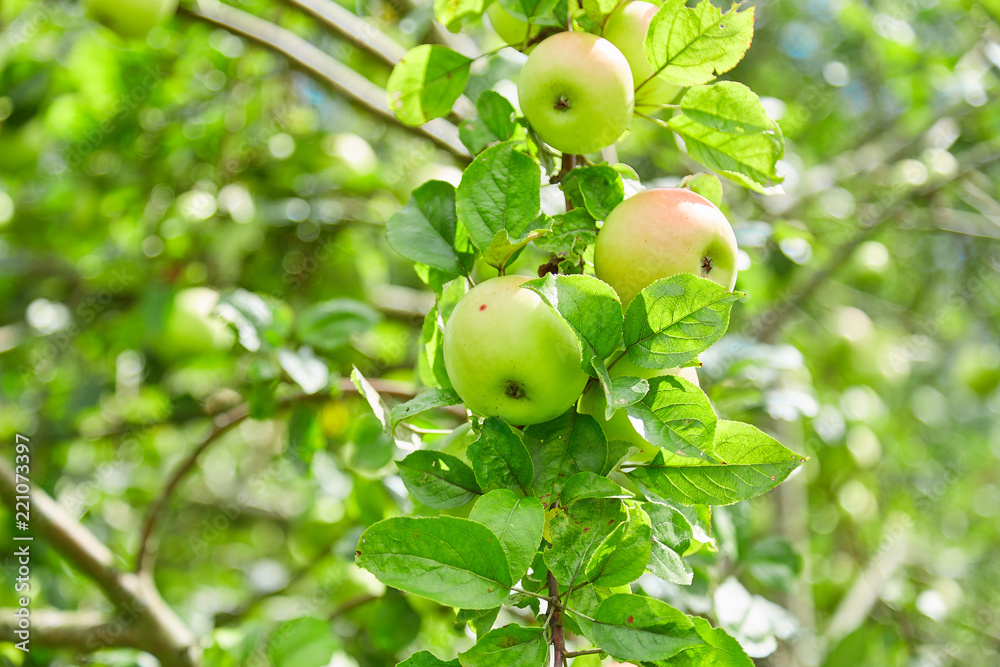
428	399
372	397
676	415
503	249
517	522
303	642
626	556
748	159
590	307
258	319
560	448
622	392
537	12
705	184
495	122
590	485
501	189
597	189
430	351
481	620
570	234
729	107
750	463
618	452
598	10
483	624
500	459
438	480
673	320
577	533
406	553
427	659
330	324
451	13
305	433
511	645
388	638
426	230
639	628
305	368
719	650
669	525
426	83
671	537
774	563
688	46
669	565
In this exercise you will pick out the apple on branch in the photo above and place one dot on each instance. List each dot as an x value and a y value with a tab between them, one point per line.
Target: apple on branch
576	91
509	355
626	28
510	29
661	232
619	427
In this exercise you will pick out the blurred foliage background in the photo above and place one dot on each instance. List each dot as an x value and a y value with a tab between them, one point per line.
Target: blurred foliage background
147	183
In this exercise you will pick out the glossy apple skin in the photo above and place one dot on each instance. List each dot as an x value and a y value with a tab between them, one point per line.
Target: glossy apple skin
576	91
619	427
509	355
660	232
131	18
626	28
511	30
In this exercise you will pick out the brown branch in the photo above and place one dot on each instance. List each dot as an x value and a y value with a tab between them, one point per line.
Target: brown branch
162	633
556	623
355	29
366	36
84	631
321	66
767	325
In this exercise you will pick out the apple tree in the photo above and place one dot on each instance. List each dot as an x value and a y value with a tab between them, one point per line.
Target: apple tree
544	507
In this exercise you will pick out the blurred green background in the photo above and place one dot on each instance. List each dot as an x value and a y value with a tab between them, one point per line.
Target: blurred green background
147	183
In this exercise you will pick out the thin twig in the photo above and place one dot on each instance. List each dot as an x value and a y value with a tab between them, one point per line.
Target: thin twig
236	615
352	604
769	323
577	654
322	66
226	422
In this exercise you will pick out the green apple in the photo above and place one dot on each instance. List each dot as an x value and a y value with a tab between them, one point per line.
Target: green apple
509	355
190	329
511	29
620	427
661	232
626	28
576	91
131	18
